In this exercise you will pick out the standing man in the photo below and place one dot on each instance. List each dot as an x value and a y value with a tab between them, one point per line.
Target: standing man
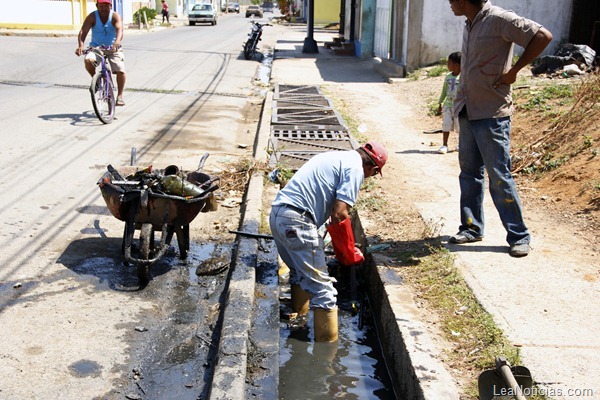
107	31
484	107
325	188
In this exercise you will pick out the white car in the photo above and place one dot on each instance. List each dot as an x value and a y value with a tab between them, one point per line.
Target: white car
202	13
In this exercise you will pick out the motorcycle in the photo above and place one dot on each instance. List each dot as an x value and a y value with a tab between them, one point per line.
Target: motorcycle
253	39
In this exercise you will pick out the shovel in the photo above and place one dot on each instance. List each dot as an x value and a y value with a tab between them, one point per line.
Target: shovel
504	382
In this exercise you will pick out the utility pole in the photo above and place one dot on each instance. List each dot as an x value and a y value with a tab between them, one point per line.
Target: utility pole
310	45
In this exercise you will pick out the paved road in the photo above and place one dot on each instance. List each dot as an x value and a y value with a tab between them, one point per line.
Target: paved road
75	324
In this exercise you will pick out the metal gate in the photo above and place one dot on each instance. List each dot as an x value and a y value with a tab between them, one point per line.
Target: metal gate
382	28
303	124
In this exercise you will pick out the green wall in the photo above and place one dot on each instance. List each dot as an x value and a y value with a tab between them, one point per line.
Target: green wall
327	11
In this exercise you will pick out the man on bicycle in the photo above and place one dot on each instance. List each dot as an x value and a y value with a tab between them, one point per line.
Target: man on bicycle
107	31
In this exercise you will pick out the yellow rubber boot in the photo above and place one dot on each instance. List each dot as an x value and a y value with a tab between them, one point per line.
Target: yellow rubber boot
300	299
284	270
326	325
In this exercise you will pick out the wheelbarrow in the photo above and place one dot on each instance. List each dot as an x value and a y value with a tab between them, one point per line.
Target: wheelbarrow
143	204
505	382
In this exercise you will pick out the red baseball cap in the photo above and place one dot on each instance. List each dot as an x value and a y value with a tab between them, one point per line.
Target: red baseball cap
377	153
104	2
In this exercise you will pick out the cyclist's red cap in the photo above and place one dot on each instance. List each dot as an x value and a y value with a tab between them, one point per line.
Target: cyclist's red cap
104	1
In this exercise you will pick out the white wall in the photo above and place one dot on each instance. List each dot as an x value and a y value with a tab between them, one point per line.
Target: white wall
65	13
38	12
441	30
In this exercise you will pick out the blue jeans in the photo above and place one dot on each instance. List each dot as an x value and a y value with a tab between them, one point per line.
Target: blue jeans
486	144
301	247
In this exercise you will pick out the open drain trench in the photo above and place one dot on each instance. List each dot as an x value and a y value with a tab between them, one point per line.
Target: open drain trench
303	124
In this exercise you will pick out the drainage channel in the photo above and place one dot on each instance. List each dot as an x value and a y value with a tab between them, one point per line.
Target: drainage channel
283	361
351	368
303	124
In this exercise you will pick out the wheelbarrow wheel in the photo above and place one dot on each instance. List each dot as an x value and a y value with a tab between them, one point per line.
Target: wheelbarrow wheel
146	239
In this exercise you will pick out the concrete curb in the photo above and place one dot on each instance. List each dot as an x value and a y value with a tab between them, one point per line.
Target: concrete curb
411	356
229	378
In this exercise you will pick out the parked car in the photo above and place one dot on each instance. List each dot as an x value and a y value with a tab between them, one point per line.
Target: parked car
202	13
254	10
230	7
267	6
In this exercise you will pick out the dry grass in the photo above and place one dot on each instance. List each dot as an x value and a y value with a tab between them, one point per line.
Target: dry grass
571	132
235	177
556	145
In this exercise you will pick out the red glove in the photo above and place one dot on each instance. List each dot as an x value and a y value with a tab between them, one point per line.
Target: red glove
342	239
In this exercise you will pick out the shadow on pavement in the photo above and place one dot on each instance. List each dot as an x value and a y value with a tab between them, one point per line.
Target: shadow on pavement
100	258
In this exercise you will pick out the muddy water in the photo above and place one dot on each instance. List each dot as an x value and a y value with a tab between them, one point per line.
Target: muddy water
351	368
173	358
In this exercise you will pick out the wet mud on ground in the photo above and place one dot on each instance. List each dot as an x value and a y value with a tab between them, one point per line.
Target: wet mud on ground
173	346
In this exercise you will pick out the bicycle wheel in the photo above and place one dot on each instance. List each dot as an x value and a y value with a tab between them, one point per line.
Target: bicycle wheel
248	52
103	97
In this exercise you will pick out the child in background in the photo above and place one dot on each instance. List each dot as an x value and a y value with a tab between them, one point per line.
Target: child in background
446	102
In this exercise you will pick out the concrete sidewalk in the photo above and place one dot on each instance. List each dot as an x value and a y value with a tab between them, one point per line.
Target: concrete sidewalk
547	303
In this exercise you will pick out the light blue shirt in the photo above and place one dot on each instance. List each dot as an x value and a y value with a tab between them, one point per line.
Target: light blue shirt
330	176
103	34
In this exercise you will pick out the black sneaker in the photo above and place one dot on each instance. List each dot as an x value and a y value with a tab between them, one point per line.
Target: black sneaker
465	237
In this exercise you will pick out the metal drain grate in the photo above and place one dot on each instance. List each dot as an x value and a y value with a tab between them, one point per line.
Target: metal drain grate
283	91
292	148
305	134
317	118
303	102
304	124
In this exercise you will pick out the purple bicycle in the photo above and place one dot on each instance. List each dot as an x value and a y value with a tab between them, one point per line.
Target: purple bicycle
102	88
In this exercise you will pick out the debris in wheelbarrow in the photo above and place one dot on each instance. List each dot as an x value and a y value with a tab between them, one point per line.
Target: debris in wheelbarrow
150	200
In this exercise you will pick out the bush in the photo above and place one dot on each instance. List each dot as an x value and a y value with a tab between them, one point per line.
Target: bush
150	14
